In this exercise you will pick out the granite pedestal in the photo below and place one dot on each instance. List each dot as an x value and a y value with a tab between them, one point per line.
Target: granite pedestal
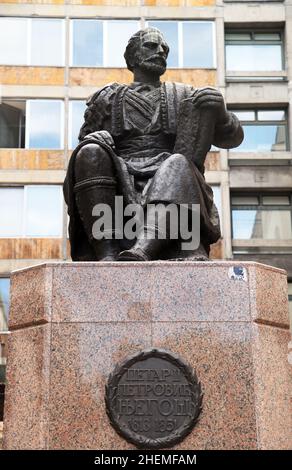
72	322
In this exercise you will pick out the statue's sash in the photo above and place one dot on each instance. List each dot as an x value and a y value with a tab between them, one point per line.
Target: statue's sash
171	96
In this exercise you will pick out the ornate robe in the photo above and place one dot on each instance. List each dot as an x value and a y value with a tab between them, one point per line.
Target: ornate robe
142	122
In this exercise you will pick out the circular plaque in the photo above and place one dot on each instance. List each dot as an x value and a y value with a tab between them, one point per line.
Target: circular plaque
153	399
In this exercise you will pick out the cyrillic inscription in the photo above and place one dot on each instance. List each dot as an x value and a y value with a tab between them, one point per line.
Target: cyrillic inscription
153	398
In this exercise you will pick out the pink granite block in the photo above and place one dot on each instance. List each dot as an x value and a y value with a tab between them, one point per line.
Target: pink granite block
269	296
221	356
273	387
226	319
83	355
198	292
28	389
128	289
31	292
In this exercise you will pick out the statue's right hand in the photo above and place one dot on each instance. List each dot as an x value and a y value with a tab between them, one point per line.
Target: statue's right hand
212	99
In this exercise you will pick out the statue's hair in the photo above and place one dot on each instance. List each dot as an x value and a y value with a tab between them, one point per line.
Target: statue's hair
134	43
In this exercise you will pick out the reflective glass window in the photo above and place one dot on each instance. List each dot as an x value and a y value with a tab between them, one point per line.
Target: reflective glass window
43	212
76	119
4	303
44	124
12	123
257	58
11	203
264	130
32	41
191	43
117	35
169	30
31	211
87	43
254	51
47	39
198	44
13	41
269	220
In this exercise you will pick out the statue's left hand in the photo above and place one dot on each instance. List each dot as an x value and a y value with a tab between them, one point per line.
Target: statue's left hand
211	98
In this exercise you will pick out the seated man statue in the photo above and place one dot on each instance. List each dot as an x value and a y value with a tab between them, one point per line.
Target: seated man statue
146	142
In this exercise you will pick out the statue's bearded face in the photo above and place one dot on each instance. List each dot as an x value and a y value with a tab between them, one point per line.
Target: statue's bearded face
151	53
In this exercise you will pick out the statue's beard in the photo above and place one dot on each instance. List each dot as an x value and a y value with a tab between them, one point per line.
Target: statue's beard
156	65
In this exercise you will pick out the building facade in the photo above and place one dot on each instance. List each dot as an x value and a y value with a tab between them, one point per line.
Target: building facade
56	53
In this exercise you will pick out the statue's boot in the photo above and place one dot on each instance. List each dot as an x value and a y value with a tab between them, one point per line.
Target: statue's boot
151	241
89	193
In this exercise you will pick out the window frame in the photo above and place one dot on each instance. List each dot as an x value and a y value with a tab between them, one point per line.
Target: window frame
104	22
71	41
27	115
105	40
21	129
27	123
252	32
180	23
63	38
29	45
180	40
25	211
257	122
259	206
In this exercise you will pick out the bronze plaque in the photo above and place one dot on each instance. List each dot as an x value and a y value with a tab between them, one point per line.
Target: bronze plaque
153	399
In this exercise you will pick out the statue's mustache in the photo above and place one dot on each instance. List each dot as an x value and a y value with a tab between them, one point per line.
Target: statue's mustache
156	58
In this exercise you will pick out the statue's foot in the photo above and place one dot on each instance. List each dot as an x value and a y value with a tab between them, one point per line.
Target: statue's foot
108	258
134	254
192	258
106	250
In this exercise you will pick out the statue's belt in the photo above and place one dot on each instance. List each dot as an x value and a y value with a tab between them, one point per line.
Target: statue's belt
142	144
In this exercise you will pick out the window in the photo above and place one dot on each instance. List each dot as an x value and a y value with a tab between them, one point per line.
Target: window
117	35
32	124
87	48
96	43
31	211
265	216
264	130
45	123
191	43
32	41
258	51
13	41
76	119
4	303
217	198
12	124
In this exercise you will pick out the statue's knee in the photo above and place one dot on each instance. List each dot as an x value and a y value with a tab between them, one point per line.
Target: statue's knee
92	160
177	157
175	160
91	154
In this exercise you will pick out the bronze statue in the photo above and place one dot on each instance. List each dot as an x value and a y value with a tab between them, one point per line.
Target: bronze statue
146	142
